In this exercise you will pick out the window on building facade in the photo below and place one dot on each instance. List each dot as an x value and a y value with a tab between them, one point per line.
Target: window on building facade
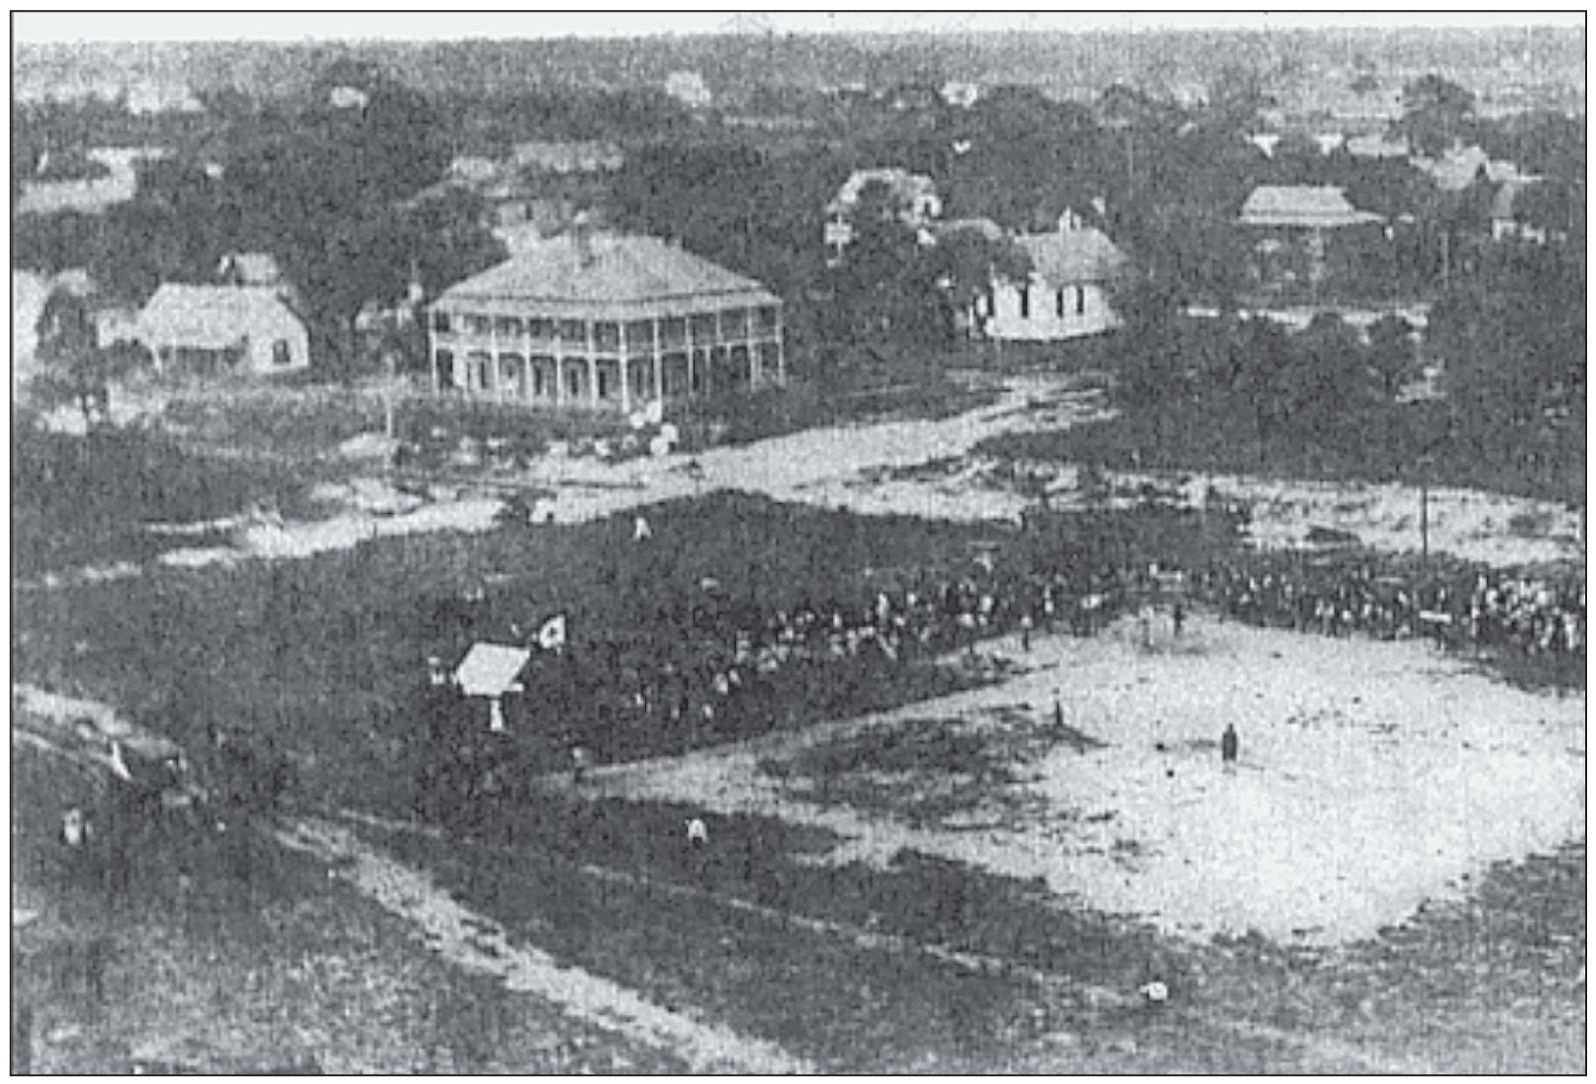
440	321
538	327
607	371
512	372
541	367
573	331
1025	302
1059	301
673	373
1080	301
480	371
640	336
738	367
574	368
734	324
508	327
607	335
280	353
673	331
769	318
479	325
769	361
443	365
703	327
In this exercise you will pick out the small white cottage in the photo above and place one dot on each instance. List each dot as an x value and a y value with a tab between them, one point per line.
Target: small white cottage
1066	295
211	331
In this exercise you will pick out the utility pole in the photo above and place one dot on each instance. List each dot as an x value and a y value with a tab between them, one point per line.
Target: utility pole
1426	465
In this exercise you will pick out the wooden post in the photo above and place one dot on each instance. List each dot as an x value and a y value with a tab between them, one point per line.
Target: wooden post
626	382
592	367
558	348
658	356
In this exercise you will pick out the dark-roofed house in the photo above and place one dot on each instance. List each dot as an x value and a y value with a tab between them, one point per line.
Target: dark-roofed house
1292	228
1067	293
604	322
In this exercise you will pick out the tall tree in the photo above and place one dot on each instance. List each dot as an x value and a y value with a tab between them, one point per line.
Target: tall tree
1436	111
322	196
1392	356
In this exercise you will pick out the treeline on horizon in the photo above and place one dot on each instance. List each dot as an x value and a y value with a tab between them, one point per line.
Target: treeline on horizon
1092	58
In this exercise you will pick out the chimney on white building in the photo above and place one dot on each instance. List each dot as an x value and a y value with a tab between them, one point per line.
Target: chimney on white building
582	238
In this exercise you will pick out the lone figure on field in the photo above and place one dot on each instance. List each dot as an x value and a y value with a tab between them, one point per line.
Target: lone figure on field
579	763
1229	746
641	531
697	833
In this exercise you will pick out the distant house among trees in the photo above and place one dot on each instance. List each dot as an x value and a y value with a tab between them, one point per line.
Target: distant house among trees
689	88
1297	232
1459	168
1378	146
216	331
961	95
249	269
1067	292
566	157
604	322
909	197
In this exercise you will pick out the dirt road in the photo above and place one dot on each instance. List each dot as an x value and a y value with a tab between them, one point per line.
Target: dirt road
479	944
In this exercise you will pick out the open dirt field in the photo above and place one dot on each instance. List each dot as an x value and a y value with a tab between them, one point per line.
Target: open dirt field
1373	777
1391	879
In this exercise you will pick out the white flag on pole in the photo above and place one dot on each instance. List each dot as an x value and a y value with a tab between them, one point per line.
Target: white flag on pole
551	634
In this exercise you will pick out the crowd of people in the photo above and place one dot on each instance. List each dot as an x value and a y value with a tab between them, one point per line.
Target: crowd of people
1458	605
706	666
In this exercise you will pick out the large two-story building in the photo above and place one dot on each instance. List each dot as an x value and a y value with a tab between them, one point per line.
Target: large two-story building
604	322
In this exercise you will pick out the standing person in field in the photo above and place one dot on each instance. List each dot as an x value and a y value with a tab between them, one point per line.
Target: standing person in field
1178	616
1229	746
579	763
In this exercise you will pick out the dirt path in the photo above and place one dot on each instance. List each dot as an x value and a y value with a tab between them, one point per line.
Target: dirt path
479	944
1086	997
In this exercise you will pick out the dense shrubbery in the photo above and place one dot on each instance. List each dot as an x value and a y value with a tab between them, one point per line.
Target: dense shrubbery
77	500
1227	394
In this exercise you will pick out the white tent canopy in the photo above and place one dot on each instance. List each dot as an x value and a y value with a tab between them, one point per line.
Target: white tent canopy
491	669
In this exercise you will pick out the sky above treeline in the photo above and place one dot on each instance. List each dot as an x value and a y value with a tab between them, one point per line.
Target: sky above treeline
107	26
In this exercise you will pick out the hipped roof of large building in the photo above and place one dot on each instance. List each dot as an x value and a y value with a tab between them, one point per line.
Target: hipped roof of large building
605	276
1301	205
